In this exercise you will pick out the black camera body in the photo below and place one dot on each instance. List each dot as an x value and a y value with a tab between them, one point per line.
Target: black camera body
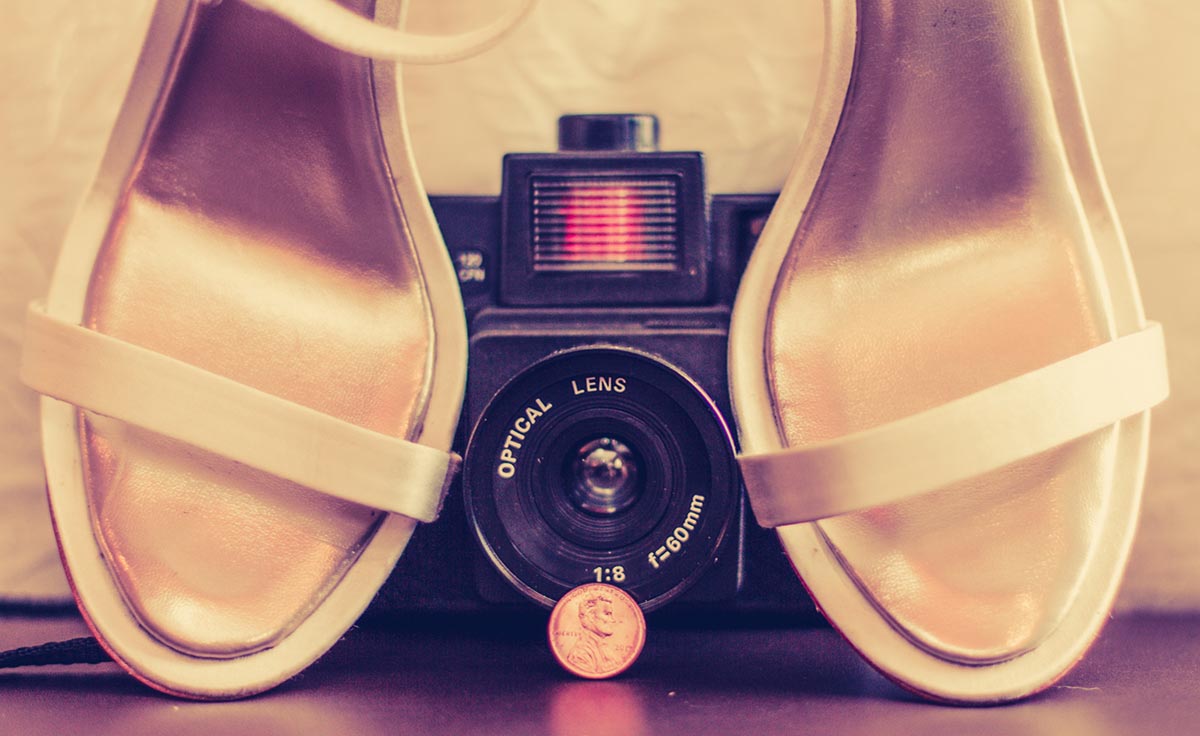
596	424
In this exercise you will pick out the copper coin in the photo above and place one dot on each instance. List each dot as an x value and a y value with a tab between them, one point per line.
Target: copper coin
597	631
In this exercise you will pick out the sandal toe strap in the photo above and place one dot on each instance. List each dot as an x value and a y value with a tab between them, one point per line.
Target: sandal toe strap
961	439
117	379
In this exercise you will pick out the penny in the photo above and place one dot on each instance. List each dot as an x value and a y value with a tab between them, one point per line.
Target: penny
596	631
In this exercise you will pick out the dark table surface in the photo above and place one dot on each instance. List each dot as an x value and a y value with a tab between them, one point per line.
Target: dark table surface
458	675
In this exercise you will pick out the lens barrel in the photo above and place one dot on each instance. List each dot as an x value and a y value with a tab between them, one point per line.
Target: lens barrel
601	464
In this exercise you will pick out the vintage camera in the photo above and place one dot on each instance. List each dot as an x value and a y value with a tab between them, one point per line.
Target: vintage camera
596	430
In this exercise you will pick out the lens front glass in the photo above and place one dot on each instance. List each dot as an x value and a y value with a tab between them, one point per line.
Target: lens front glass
601	465
603	477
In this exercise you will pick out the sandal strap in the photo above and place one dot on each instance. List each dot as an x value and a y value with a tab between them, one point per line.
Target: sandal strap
961	439
116	379
344	29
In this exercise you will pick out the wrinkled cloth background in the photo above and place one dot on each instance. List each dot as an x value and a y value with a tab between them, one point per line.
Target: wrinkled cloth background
733	80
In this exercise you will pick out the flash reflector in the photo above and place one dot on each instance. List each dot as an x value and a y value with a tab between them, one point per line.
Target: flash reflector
606	220
605	223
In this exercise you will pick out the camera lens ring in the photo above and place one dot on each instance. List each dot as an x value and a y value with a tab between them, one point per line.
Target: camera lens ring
692	486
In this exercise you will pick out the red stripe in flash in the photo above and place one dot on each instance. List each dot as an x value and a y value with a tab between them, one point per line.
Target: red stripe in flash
602	223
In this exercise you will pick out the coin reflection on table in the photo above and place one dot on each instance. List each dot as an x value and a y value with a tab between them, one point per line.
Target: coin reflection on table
597	708
597	631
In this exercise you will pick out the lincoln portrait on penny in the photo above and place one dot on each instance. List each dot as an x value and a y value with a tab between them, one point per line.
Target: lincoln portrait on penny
598	622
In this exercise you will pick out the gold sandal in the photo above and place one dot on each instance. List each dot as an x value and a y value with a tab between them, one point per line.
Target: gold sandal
939	363
253	346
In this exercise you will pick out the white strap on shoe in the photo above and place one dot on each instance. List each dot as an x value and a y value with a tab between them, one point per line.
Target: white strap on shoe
344	29
116	379
963	438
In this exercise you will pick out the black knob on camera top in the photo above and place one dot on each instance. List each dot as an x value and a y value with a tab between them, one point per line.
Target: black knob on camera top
617	132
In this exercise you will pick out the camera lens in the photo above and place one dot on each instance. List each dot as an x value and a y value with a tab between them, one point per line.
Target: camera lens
603	476
601	465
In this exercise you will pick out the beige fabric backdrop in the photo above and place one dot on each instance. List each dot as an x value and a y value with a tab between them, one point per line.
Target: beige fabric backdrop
734	80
